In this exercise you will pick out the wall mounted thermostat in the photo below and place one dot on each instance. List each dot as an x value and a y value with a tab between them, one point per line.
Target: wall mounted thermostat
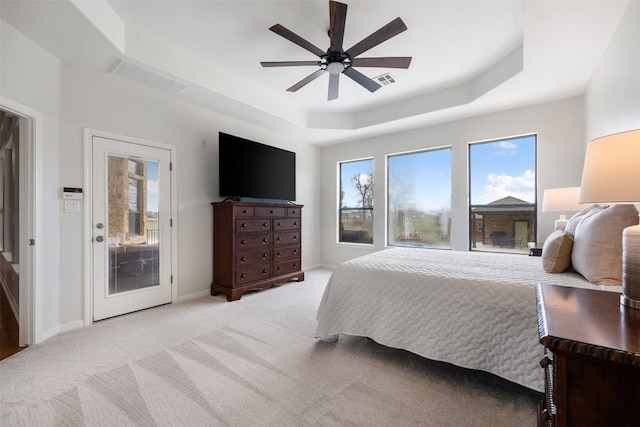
72	193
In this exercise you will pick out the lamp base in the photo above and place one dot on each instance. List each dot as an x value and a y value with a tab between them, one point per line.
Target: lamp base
628	302
631	267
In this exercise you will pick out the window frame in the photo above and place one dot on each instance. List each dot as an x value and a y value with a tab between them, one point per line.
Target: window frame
339	202
533	205
388	198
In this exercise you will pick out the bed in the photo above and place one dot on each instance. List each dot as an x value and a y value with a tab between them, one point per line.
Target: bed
472	309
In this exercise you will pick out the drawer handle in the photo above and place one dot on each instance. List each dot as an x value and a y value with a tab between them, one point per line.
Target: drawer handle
279	239
265	241
279	224
295	237
271	211
243	259
243	242
264	225
295	251
545	361
243	225
264	256
264	272
279	254
295	264
278	268
244	211
295	223
242	276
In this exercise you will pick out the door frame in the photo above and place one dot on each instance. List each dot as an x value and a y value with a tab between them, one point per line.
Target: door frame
31	222
88	213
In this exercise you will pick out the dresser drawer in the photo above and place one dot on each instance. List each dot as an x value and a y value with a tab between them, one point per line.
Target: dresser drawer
252	225
270	211
244	210
286	224
253	256
283	239
285	267
253	273
293	212
286	252
253	241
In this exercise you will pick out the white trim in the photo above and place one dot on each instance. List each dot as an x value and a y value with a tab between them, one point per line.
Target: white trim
31	221
88	213
194	295
65	327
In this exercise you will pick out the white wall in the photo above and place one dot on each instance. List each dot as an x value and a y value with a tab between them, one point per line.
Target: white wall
560	153
30	76
70	100
106	102
612	98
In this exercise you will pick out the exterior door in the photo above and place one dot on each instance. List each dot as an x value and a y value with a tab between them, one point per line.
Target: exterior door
131	223
521	233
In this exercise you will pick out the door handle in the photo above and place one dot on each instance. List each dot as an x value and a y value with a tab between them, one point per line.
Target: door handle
100	226
99	239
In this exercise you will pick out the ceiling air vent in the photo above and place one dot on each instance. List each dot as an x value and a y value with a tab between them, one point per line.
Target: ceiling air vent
384	79
147	77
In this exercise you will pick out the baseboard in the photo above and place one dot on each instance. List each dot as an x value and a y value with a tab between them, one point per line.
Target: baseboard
194	295
65	327
321	266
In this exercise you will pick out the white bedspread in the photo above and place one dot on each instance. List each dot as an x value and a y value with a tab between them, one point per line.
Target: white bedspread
472	309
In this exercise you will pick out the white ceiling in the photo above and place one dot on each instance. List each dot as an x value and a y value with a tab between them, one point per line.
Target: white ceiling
469	56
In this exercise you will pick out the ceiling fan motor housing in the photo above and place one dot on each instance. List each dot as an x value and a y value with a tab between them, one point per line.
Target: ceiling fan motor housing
335	62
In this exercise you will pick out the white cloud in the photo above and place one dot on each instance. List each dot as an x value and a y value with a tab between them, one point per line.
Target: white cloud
505	148
499	186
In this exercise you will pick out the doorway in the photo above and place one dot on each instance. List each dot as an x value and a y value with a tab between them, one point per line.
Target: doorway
131	241
23	218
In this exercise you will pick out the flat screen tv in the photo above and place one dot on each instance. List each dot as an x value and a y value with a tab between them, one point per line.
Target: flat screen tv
250	170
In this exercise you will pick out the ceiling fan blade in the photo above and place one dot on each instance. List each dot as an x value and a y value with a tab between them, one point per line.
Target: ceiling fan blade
392	29
385	62
361	79
306	80
337	19
288	63
334	84
293	37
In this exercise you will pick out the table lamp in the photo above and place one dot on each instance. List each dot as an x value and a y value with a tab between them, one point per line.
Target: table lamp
561	200
611	175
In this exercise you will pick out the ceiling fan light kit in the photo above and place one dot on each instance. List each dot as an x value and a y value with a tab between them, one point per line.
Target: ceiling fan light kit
336	60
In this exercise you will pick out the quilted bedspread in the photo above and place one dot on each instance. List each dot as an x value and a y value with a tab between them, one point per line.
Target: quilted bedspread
472	309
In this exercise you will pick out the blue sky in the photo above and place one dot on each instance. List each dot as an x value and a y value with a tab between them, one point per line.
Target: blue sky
503	168
152	186
498	169
422	179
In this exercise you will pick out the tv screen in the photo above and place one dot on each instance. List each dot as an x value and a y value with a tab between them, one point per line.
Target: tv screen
248	169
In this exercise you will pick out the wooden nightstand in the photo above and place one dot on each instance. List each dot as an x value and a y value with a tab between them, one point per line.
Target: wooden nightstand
592	358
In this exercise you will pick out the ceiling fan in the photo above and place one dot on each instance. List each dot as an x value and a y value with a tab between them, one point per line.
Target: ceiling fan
336	60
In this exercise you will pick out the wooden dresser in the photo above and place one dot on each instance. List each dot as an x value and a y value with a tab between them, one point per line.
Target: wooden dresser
255	246
592	358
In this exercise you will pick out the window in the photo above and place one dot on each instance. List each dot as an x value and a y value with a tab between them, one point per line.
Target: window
136	200
356	202
419	189
502	194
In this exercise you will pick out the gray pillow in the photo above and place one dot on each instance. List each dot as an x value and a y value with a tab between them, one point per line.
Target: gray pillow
597	244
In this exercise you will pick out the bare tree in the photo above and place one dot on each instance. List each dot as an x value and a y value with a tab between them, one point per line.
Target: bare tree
363	182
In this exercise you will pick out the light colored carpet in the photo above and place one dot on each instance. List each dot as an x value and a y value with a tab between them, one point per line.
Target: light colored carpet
254	362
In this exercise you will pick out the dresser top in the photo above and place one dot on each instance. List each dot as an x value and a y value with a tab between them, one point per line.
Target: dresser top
238	203
588	322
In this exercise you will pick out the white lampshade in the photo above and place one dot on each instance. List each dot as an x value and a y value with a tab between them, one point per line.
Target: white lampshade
561	200
611	171
611	175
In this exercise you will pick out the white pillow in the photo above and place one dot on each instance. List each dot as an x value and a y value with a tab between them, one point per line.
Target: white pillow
573	222
597	244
